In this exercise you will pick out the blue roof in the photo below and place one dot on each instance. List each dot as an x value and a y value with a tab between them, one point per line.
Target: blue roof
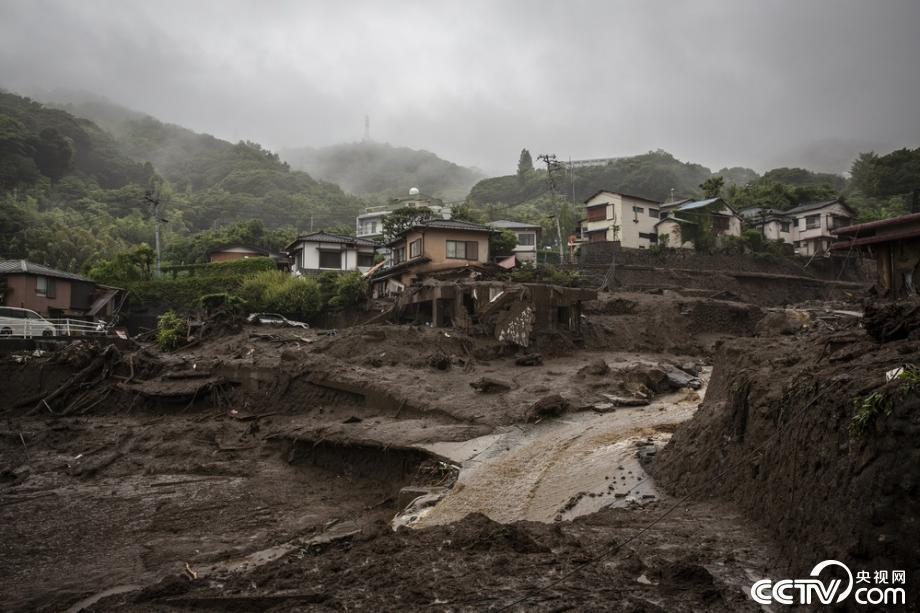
687	206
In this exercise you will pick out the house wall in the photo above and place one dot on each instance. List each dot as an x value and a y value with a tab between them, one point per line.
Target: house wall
619	212
307	256
817	239
20	292
671	229
434	247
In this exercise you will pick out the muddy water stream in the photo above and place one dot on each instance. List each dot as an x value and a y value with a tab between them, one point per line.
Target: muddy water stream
560	468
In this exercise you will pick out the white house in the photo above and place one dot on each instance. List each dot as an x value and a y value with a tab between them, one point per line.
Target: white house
813	224
806	227
321	251
528	236
773	224
612	216
369	224
680	219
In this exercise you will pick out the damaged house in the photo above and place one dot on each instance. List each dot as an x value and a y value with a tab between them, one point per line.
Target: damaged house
894	244
511	312
428	246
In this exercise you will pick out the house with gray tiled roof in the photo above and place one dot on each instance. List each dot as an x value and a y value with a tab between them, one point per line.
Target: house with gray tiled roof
321	251
429	246
51	292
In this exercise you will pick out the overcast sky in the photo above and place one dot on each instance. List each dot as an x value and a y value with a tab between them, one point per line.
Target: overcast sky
719	82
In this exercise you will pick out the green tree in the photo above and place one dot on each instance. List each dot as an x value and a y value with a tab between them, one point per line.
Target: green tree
525	165
402	219
502	242
712	187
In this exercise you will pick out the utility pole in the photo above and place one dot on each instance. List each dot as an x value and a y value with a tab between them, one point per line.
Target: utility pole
551	165
153	199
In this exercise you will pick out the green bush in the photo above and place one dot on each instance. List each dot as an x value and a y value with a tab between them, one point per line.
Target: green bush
254	289
351	289
170	331
548	274
278	292
881	402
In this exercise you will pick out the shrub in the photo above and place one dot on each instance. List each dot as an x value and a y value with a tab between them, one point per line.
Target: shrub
351	289
170	331
254	290
548	274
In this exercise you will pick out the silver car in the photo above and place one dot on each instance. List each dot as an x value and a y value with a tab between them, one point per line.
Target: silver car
23	322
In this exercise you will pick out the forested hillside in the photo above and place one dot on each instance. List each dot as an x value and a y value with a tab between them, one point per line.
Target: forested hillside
72	193
381	171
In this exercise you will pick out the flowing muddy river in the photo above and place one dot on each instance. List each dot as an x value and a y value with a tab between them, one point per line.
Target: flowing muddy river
560	468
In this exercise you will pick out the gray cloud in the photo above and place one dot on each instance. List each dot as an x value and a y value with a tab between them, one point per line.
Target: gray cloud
718	82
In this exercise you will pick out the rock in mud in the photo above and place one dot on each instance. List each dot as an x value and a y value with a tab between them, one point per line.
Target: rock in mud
548	406
439	361
651	377
489	385
777	323
625	401
598	368
680	379
530	359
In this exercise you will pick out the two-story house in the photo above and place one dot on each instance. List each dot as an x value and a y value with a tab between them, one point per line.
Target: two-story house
681	220
614	216
528	235
321	251
429	246
814	222
773	224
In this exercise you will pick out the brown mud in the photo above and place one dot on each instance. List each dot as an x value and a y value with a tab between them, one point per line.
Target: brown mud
261	468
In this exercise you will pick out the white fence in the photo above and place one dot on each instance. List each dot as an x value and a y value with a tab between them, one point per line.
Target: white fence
31	328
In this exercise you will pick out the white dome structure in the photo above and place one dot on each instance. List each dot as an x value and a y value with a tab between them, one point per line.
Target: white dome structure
413	191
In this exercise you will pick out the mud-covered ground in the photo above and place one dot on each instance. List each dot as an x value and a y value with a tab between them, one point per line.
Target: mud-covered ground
261	470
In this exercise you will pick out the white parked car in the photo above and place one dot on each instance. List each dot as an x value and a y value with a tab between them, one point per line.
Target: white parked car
23	322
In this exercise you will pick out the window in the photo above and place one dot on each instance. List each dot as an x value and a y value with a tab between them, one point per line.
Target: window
399	255
812	222
597	213
463	250
456	249
45	286
415	248
330	259
797	244
652	238
365	260
838	221
784	226
653	213
527	239
638	209
720	224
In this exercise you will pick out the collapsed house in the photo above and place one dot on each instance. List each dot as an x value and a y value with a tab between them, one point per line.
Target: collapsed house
894	244
510	312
